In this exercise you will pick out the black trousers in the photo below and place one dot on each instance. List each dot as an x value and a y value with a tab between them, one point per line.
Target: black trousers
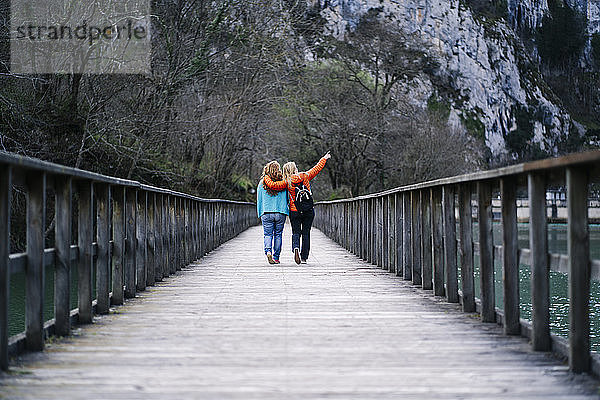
301	224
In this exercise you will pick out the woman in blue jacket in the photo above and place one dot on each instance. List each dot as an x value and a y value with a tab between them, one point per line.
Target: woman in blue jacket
272	207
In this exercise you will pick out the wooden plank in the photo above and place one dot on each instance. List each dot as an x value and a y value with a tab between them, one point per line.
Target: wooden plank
437	231
426	240
130	241
466	247
486	252
63	239
407	237
118	247
450	267
34	287
540	274
510	261
579	269
103	257
140	246
85	224
5	204
415	200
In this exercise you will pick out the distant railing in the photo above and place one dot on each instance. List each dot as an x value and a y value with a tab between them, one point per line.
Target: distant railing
135	234
412	231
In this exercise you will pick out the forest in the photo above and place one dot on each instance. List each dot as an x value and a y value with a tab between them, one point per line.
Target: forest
237	83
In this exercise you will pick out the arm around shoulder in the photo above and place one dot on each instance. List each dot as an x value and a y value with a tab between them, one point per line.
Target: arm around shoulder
275	185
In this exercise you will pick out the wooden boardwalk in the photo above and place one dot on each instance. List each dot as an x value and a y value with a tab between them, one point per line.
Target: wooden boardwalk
234	327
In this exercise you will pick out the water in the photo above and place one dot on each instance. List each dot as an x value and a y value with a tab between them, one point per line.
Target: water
16	306
559	301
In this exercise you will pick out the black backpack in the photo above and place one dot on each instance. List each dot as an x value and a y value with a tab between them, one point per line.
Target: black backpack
304	199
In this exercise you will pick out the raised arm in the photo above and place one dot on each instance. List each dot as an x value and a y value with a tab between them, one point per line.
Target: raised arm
275	185
317	168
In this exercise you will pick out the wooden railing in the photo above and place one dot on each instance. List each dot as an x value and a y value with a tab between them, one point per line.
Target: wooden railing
412	232
133	234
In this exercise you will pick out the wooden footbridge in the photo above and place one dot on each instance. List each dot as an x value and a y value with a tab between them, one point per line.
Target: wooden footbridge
187	307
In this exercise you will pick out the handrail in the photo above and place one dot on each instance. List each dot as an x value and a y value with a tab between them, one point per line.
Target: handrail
591	157
412	231
136	234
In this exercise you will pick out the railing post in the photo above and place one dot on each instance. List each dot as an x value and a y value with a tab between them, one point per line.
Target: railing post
363	229
63	210
391	233
466	247
194	222
159	259
84	244
165	233
352	227
426	243
130	241
374	228
118	250
177	231
140	248
540	276
102	193
5	200
579	269
416	237
384	233
450	244
186	232
150	238
407	237
203	241
437	223
486	251
173	259
369	233
34	291
510	261
399	235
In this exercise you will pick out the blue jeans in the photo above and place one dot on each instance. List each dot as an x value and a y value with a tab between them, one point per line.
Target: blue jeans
273	223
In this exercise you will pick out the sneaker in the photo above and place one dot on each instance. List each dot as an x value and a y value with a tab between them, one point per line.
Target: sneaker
270	258
276	261
297	256
303	261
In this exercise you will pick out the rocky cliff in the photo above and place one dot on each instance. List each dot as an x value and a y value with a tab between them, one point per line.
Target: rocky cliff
489	75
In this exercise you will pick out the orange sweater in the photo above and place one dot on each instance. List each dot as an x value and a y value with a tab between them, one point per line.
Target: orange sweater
304	177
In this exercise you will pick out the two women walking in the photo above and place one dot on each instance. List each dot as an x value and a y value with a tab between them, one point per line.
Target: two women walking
287	192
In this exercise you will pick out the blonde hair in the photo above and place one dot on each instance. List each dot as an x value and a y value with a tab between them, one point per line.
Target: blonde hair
273	170
289	169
